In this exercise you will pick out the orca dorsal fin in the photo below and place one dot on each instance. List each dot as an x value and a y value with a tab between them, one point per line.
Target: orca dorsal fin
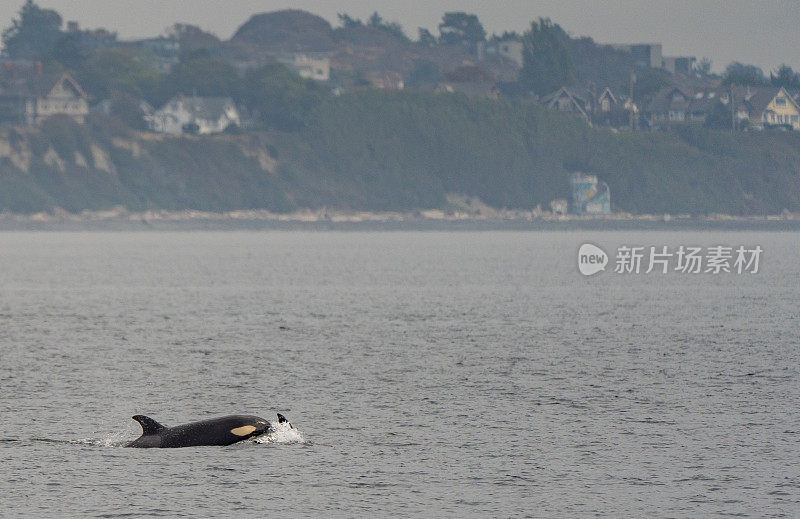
149	426
282	419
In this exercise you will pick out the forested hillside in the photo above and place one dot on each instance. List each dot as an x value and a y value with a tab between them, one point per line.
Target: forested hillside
377	150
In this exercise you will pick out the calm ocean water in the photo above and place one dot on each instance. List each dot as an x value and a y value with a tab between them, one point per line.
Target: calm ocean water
428	374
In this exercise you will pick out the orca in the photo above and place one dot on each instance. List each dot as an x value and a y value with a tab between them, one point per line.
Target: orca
226	430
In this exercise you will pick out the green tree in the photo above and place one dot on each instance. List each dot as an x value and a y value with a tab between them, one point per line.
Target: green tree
348	21
281	99
109	71
743	75
199	72
785	77
426	38
34	34
459	28
376	21
546	61
68	52
192	38
508	36
425	72
128	109
395	29
648	83
719	118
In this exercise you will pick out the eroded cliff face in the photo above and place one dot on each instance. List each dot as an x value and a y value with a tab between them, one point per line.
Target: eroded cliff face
45	170
15	150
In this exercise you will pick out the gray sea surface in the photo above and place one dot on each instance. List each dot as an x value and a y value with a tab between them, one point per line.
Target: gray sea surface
425	373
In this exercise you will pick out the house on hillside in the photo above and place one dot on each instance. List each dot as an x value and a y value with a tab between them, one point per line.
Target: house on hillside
670	106
308	66
470	79
31	99
759	107
569	100
584	102
509	48
605	102
198	115
680	105
763	107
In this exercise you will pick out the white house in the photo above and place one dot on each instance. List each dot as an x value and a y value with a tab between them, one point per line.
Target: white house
33	99
309	67
510	49
210	114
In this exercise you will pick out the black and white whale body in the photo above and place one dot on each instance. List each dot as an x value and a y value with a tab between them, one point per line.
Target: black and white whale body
216	431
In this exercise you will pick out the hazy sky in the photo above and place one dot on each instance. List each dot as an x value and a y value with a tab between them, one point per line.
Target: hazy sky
762	32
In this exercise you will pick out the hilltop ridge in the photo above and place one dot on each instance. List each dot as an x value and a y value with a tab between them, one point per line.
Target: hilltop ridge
290	29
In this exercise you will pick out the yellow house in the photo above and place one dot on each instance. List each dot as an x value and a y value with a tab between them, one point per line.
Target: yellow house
767	106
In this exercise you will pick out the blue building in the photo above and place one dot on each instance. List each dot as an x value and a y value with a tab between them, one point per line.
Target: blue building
589	196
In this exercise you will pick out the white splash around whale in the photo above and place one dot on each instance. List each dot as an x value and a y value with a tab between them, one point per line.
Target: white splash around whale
282	433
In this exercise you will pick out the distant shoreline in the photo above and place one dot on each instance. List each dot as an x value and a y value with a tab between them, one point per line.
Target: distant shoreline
430	220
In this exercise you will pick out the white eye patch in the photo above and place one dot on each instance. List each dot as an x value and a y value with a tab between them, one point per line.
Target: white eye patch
243	430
